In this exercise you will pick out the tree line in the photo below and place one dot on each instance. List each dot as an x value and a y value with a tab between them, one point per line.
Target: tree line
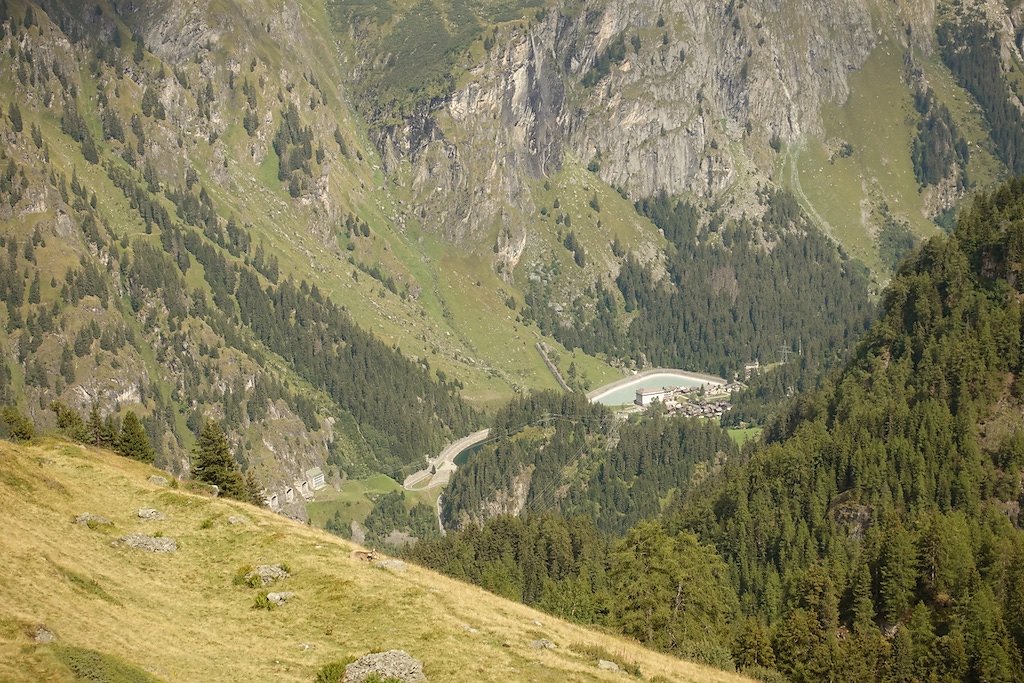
874	535
737	290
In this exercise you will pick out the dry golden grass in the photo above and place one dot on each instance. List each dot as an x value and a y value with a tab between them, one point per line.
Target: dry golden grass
180	617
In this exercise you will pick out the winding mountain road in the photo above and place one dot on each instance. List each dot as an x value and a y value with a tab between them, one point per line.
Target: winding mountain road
439	470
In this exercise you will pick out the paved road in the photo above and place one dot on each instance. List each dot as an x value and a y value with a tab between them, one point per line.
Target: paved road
443	465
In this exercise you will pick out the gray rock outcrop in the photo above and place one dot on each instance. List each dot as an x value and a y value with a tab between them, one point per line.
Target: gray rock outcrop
267	574
92	521
43	635
153	544
151	514
280	598
396	664
605	665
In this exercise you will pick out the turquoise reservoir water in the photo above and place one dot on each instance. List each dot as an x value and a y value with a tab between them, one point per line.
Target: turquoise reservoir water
463	456
626	393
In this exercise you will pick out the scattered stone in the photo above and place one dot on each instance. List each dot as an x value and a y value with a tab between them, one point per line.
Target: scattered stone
543	644
43	635
280	598
153	544
393	664
158	480
238	519
151	514
469	629
537	622
605	665
307	646
393	565
92	521
267	574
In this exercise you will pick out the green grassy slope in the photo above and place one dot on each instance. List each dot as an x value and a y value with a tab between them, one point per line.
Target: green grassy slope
181	617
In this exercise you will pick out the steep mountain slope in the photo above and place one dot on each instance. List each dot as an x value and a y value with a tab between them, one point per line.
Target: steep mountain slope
251	185
198	226
697	100
875	535
150	284
182	615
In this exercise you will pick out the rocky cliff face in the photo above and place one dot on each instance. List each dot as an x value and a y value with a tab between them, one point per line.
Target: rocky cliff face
673	115
679	96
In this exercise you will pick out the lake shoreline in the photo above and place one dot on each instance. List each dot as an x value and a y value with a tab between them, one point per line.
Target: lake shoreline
601	392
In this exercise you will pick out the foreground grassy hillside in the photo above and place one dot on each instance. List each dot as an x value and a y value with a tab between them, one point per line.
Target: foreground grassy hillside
182	617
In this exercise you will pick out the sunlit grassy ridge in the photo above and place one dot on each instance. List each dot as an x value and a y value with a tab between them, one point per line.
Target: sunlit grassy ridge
180	616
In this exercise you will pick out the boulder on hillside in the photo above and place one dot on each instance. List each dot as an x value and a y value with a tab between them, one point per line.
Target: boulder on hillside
151	514
266	574
92	521
237	519
279	599
43	635
158	480
605	665
153	544
393	664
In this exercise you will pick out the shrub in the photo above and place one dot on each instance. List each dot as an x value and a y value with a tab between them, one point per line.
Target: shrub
17	427
90	665
764	674
245	576
262	602
707	652
333	672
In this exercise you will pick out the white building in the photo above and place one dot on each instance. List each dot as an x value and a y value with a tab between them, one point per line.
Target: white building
315	477
647	396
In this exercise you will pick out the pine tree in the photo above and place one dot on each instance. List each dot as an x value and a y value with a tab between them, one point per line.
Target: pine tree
253	489
15	113
898	573
133	442
34	294
89	149
100	432
67	366
17	426
69	422
215	465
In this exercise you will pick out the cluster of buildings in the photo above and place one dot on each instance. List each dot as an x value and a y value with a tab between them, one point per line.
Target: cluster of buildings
690	401
313	481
